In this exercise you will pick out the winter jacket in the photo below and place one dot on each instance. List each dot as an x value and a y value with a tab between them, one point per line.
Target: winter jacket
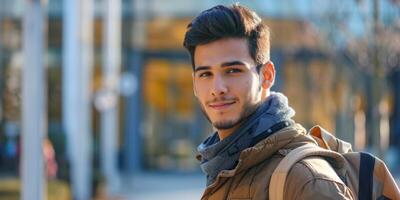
311	178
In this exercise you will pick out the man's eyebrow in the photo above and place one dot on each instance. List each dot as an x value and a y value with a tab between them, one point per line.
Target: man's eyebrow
236	62
199	68
225	64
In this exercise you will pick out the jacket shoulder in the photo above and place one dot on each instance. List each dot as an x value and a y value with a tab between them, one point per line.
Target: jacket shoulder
315	178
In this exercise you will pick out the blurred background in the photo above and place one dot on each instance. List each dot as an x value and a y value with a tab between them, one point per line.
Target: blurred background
97	102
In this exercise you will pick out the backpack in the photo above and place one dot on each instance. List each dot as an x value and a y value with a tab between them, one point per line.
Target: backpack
364	174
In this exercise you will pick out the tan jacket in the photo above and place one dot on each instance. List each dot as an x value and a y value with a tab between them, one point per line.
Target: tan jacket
311	178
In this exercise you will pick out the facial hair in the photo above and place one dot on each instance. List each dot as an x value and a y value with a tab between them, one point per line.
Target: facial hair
247	110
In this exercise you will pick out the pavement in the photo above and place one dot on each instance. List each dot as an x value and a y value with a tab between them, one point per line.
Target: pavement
175	186
172	186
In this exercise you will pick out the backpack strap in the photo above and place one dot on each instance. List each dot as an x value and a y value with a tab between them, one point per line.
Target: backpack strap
278	178
365	181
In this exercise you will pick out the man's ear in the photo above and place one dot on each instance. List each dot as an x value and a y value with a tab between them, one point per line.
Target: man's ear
267	73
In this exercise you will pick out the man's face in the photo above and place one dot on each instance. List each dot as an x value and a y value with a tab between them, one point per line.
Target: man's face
226	82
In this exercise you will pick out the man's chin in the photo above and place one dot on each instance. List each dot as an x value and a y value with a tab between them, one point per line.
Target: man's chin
224	125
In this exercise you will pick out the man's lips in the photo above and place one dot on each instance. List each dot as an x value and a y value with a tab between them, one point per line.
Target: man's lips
221	105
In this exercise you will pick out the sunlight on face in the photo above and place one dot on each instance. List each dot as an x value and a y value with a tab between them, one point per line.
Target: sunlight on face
226	82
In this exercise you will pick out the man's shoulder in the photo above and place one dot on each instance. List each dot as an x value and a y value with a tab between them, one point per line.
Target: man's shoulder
314	167
314	176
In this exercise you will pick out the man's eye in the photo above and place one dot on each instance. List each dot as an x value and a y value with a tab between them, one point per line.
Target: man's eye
233	70
204	74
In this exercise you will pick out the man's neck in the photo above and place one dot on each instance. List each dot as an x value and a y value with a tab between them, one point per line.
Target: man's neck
223	133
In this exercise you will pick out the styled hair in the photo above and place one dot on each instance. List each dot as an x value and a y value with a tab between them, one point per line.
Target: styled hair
222	22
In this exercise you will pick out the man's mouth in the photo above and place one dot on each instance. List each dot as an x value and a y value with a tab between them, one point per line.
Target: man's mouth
221	105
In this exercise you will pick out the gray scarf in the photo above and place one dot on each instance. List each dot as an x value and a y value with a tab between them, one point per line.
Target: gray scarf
219	155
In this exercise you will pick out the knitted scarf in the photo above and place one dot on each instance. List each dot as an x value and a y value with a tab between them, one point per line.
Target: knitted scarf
219	155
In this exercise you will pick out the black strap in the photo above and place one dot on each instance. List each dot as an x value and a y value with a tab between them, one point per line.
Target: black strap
276	127
366	176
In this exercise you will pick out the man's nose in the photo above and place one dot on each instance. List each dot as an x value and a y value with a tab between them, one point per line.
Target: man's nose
219	86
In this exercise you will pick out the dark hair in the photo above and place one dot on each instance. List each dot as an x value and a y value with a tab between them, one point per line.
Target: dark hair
235	21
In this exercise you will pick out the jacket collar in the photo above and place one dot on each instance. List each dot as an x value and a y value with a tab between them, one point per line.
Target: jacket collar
287	138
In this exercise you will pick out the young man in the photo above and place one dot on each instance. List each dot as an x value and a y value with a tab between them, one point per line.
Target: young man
232	78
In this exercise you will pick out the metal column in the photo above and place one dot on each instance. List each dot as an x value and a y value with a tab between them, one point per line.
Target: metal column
77	79
34	115
110	94
133	139
1	61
